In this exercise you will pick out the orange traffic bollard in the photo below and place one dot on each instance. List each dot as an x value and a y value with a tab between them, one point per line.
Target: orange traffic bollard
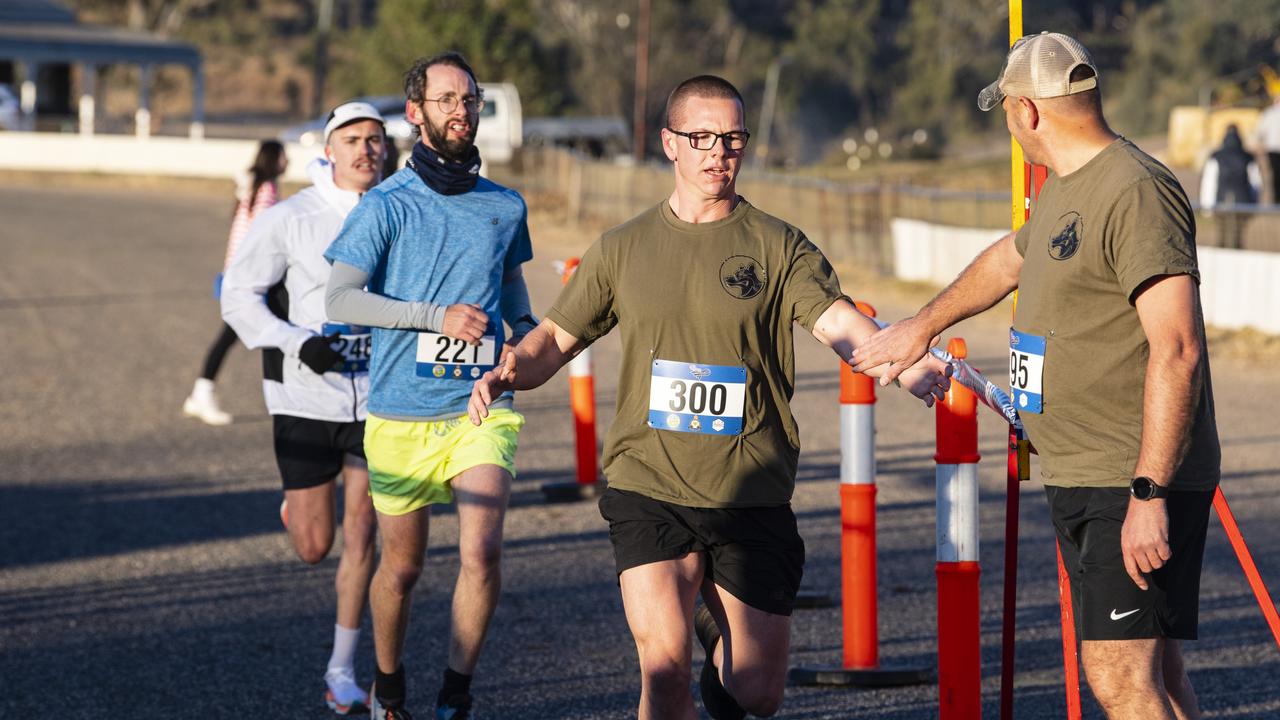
861	662
959	630
582	399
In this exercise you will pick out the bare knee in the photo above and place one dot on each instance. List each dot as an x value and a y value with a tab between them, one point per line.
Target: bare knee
758	693
358	536
313	547
666	676
482	558
400	574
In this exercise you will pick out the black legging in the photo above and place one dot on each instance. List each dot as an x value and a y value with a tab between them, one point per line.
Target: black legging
1273	159
218	352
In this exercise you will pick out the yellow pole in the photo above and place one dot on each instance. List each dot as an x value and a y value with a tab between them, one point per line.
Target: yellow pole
1018	199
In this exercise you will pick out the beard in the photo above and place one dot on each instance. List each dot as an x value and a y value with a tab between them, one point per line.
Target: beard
453	150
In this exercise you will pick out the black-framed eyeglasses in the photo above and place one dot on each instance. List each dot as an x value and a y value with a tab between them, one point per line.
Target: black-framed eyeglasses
449	103
705	140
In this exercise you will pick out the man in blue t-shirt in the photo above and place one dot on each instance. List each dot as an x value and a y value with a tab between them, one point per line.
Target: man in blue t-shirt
439	249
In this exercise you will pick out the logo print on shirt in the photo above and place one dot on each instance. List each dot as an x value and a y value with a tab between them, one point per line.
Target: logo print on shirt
1067	240
1121	615
742	277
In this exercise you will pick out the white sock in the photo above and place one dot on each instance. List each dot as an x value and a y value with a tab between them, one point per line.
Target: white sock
203	388
344	648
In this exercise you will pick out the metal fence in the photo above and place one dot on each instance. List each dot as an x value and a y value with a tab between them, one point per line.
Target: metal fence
850	222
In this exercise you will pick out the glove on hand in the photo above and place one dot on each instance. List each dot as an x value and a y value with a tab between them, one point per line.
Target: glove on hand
318	354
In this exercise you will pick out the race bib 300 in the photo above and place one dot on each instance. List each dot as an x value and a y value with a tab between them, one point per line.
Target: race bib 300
695	398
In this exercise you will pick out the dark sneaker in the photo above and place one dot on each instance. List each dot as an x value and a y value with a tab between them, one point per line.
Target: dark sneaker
378	712
719	704
458	707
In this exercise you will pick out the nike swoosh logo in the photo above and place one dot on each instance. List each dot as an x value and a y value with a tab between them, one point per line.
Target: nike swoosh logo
1118	616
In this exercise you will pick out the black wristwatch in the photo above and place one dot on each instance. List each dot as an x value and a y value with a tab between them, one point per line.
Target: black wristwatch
1144	488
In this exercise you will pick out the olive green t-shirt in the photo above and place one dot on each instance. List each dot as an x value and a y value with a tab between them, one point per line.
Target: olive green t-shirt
1094	238
718	300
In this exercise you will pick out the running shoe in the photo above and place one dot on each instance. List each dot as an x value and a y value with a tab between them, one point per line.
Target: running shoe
377	712
204	406
457	708
719	704
342	694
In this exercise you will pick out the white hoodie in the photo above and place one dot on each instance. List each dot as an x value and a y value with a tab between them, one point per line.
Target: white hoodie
285	247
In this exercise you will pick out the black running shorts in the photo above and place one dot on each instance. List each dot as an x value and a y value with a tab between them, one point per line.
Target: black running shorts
310	452
755	553
1106	602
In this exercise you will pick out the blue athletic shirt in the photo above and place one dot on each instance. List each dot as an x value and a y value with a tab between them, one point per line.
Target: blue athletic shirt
419	245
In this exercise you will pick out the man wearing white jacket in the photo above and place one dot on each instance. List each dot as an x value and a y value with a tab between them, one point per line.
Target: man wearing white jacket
316	372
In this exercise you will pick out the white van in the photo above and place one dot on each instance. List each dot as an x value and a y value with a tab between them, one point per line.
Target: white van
500	130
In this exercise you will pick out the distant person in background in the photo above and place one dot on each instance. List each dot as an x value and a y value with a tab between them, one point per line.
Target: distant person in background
1267	135
256	191
1230	177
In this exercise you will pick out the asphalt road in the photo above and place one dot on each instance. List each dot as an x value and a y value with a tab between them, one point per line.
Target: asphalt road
144	573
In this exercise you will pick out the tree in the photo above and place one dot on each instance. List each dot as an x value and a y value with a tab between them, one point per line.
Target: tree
501	40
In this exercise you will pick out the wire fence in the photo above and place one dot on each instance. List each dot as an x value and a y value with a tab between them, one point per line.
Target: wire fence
849	221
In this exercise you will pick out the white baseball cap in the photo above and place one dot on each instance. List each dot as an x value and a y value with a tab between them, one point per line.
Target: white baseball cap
348	113
1039	66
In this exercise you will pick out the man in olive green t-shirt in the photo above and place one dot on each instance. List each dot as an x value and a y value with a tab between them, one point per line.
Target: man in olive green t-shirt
702	455
1108	368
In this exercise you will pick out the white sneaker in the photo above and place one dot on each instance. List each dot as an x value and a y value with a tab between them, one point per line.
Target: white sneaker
203	405
342	694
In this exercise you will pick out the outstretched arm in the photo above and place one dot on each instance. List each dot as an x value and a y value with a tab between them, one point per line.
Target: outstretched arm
991	276
842	328
538	356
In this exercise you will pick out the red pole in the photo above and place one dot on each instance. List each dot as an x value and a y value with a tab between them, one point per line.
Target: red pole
1008	627
1246	561
958	571
1018	471
1070	658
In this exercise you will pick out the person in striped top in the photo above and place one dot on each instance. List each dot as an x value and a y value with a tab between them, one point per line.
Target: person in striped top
257	190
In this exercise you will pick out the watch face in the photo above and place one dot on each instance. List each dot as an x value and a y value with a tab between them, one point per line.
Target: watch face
1142	488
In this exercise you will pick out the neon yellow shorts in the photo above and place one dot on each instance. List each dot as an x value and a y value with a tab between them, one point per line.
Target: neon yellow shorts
411	464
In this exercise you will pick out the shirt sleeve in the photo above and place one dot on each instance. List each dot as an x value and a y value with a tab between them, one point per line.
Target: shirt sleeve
1022	238
259	265
366	236
1150	232
585	308
346	300
521	249
810	285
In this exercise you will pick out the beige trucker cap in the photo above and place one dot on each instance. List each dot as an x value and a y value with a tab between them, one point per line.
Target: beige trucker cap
1039	66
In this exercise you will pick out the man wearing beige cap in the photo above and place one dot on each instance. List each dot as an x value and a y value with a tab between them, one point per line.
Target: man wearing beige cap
1108	368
